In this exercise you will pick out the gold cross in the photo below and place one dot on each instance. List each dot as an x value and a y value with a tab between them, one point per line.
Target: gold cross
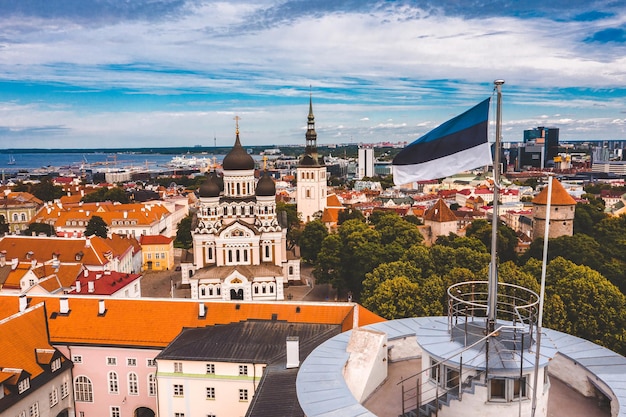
237	118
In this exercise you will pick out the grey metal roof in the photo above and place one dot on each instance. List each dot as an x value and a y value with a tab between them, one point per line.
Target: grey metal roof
252	341
322	390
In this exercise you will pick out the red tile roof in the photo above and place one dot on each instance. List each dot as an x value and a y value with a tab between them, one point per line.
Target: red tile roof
155	240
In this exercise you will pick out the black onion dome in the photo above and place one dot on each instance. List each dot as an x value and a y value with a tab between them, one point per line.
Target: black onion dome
237	159
210	187
265	187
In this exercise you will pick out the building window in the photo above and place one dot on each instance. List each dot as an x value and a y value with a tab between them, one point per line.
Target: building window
133	385
210	368
33	410
152	385
54	397
243	369
434	370
112	361
83	390
150	362
497	389
56	365
131	362
178	367
507	389
243	395
113	383
23	385
178	390
115	412
519	388
22	414
210	393
64	391
179	414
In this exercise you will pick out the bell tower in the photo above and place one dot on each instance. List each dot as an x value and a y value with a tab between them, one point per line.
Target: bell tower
311	174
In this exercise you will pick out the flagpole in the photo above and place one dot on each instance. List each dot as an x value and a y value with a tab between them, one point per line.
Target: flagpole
493	270
542	291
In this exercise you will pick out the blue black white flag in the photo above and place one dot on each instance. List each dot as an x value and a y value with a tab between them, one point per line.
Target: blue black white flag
457	145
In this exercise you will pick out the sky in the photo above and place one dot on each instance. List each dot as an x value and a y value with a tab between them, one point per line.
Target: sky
160	73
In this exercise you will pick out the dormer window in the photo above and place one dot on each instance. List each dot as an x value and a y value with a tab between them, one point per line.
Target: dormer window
79	256
56	365
23	385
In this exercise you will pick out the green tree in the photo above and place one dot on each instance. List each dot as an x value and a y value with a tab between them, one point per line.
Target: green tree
595	308
39	228
45	190
387	271
184	239
588	215
399	298
506	241
328	268
289	213
97	226
311	240
350	214
579	248
4	226
114	194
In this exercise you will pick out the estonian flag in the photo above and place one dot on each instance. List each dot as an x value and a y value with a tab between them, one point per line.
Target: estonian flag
457	145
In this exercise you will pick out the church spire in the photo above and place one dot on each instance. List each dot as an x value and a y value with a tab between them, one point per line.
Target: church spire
311	135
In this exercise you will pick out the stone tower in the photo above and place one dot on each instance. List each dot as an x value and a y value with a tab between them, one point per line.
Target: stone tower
562	208
311	175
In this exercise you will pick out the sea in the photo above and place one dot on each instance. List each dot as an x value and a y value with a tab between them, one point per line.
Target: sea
100	161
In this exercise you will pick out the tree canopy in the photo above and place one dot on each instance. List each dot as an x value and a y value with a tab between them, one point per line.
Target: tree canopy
311	240
97	226
184	239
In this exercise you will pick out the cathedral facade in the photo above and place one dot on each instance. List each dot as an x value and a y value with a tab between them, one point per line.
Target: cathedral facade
239	245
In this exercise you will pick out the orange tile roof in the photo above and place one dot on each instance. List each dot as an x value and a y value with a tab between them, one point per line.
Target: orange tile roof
155	240
67	249
24	333
14	277
560	197
156	322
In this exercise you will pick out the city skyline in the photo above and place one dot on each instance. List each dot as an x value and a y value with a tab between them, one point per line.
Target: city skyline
102	73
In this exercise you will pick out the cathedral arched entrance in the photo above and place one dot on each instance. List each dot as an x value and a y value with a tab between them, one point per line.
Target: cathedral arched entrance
236	294
143	412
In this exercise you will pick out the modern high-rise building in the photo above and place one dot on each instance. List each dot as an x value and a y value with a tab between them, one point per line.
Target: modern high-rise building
541	145
366	162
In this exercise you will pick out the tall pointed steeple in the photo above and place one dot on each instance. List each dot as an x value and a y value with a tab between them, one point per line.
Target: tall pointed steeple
311	134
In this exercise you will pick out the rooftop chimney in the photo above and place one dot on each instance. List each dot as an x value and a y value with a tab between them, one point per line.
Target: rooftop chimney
91	286
14	262
101	308
64	306
201	310
293	352
77	286
86	273
23	302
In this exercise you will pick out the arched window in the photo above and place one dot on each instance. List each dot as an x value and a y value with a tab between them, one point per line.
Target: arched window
113	383
15	217
230	255
202	291
23	217
271	288
83	389
245	255
237	255
152	387
267	251
291	270
133	385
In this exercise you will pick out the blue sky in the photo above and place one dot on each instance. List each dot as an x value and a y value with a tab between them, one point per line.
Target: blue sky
112	73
